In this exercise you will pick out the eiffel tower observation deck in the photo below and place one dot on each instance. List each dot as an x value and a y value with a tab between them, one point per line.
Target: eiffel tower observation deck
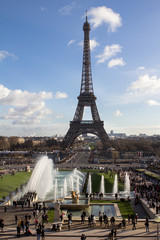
86	99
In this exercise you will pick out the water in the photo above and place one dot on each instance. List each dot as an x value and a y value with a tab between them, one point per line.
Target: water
115	186
51	184
42	177
89	188
102	187
108	209
127	184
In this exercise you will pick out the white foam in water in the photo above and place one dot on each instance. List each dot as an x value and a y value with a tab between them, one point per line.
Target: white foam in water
102	187
42	177
50	183
115	186
127	184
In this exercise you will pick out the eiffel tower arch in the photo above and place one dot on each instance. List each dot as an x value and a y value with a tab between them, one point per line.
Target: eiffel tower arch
86	99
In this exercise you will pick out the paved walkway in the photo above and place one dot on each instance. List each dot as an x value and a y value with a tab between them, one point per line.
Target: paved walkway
96	232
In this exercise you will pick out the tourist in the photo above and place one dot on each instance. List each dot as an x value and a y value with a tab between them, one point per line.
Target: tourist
43	234
2	225
69	225
18	231
147	224
129	218
115	234
100	220
38	233
112	220
134	224
124	223
136	217
106	222
16	219
89	221
94	220
22	225
82	218
83	237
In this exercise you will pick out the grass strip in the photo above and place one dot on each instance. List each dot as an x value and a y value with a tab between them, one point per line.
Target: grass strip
9	183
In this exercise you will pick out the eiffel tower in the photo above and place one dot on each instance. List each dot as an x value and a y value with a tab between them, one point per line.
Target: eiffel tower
86	99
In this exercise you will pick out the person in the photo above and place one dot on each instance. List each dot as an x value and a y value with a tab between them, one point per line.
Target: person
43	235
83	237
147	224
124	222
16	218
69	225
100	220
38	233
2	225
106	222
134	224
115	234
82	218
94	220
18	231
22	225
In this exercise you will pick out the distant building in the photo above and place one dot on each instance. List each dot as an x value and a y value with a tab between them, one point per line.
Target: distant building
116	135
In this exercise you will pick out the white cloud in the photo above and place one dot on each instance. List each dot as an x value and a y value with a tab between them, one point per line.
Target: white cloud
21	98
60	95
66	10
93	44
4	54
116	62
26	107
141	68
100	15
109	51
145	85
117	114
153	103
71	42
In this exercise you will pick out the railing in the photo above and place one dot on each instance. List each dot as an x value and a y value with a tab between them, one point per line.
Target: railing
87	122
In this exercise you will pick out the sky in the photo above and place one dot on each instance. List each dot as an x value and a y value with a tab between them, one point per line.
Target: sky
41	51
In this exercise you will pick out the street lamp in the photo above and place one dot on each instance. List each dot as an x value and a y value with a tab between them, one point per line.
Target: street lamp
157	220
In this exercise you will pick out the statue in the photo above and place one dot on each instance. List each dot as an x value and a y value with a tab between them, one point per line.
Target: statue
75	197
56	211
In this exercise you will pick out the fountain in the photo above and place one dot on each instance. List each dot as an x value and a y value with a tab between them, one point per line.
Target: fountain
65	187
42	178
89	187
102	187
55	191
115	186
127	184
52	184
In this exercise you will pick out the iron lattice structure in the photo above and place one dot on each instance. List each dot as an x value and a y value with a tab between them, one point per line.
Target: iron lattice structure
86	99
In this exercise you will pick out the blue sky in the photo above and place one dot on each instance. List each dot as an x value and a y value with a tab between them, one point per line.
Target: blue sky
41	64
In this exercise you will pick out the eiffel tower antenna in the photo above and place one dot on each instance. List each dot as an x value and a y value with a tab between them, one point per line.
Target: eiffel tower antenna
86	99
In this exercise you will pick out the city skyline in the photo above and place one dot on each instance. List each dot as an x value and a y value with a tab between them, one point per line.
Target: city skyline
41	65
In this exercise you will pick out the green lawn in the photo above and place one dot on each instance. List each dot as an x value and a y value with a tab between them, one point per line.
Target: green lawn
9	183
50	214
124	207
109	181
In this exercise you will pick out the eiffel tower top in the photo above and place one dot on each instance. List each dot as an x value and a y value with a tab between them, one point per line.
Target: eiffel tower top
86	81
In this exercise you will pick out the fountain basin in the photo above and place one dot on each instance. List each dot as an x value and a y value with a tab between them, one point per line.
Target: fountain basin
109	209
